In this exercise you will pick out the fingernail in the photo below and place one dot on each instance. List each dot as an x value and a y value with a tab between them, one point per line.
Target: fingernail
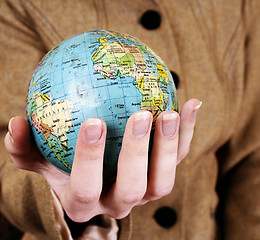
141	124
10	130
195	111
169	124
93	130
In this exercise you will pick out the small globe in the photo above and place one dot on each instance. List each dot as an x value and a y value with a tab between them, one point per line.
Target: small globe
101	74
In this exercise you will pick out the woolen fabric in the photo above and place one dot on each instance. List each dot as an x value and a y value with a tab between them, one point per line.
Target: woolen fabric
213	47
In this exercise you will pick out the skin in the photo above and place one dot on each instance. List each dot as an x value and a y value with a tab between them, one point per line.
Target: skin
81	194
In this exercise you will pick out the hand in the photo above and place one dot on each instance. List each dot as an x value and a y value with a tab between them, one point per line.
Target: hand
81	194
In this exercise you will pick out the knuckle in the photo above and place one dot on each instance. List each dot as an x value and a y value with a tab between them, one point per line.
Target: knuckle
158	193
183	154
88	197
94	153
132	198
166	191
139	151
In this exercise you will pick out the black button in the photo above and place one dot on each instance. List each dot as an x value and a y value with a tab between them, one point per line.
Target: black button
166	217
175	78
151	20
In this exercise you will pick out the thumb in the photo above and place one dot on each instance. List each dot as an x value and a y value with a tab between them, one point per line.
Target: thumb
19	144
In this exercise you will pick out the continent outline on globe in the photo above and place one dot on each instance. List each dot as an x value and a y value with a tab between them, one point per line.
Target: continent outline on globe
109	75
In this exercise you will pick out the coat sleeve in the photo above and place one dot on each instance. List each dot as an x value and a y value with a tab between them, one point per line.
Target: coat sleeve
240	203
25	197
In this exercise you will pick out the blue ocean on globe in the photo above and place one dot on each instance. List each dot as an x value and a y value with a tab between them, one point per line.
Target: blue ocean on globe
101	74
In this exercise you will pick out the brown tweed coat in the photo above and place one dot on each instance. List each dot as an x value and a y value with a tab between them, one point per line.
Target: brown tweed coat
213	48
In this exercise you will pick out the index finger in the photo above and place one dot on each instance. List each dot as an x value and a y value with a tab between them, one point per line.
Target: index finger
83	191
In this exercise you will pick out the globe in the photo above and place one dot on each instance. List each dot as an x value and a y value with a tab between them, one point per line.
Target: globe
102	74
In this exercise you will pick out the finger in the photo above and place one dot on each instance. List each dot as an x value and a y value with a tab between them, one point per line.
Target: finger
164	156
20	145
187	124
131	182
84	189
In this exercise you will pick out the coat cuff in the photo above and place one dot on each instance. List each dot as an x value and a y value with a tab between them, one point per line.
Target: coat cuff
106	230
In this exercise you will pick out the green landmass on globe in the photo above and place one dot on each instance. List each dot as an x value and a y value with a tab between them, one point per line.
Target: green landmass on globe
101	74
